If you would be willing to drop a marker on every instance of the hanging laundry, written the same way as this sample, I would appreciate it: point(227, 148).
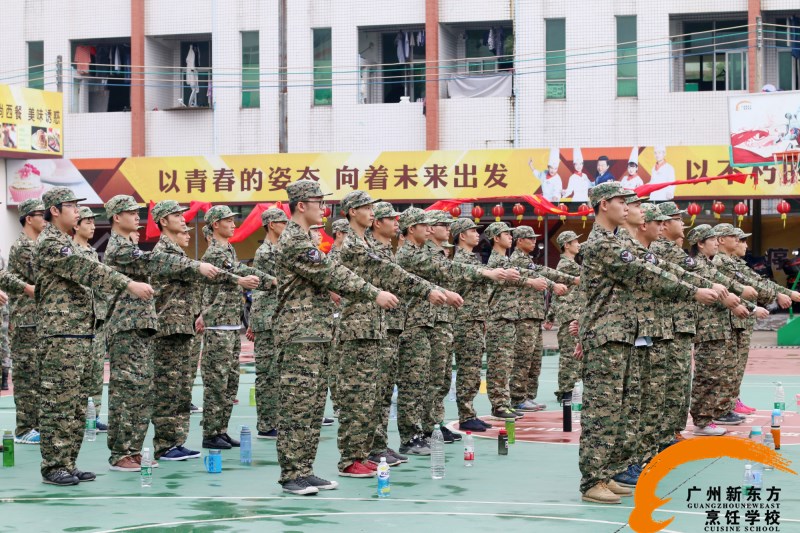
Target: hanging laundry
point(83, 58)
point(401, 47)
point(490, 41)
point(499, 41)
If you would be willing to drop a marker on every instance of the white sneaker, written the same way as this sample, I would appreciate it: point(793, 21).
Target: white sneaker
point(31, 437)
point(711, 430)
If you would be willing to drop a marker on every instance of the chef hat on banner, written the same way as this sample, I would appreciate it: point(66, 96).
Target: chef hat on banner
point(554, 158)
point(577, 156)
point(634, 158)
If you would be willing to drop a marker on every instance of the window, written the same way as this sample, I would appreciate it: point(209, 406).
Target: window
point(251, 96)
point(323, 75)
point(480, 58)
point(627, 68)
point(101, 75)
point(555, 59)
point(714, 55)
point(787, 67)
point(196, 88)
point(36, 64)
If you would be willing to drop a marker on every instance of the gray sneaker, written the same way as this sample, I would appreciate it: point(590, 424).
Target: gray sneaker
point(416, 446)
point(299, 486)
point(319, 483)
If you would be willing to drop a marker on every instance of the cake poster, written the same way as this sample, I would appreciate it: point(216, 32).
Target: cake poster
point(31, 178)
point(31, 123)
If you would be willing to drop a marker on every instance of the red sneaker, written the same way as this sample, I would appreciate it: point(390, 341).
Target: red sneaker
point(751, 409)
point(369, 464)
point(357, 470)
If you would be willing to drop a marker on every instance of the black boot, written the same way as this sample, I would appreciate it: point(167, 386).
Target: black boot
point(5, 380)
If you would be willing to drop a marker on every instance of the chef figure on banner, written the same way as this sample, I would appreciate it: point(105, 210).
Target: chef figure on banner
point(631, 179)
point(662, 172)
point(550, 180)
point(579, 183)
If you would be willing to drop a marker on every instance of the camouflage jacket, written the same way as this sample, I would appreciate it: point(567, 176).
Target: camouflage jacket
point(532, 304)
point(713, 323)
point(306, 277)
point(174, 297)
point(99, 300)
point(444, 313)
point(734, 269)
point(566, 308)
point(20, 264)
point(435, 268)
point(365, 320)
point(222, 300)
point(395, 318)
point(63, 306)
point(683, 312)
point(264, 302)
point(505, 298)
point(610, 276)
point(476, 296)
point(126, 312)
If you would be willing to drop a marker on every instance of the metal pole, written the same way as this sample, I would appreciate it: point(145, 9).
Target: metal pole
point(283, 119)
point(59, 74)
point(546, 239)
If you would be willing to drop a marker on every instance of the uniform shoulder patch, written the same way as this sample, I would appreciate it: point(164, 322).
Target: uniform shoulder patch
point(313, 255)
point(739, 275)
point(227, 264)
point(651, 258)
point(66, 251)
point(626, 256)
point(136, 253)
point(534, 266)
point(373, 256)
point(689, 262)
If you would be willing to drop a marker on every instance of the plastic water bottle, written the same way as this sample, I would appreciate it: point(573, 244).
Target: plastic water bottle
point(245, 446)
point(757, 436)
point(384, 487)
point(393, 408)
point(469, 449)
point(577, 402)
point(780, 397)
point(748, 481)
point(437, 453)
point(147, 468)
point(91, 422)
point(770, 443)
point(451, 396)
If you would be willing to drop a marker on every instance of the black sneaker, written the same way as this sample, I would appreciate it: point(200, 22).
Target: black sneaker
point(728, 420)
point(321, 484)
point(83, 476)
point(216, 443)
point(473, 424)
point(271, 434)
point(486, 424)
point(192, 454)
point(327, 421)
point(195, 410)
point(448, 435)
point(415, 446)
point(299, 486)
point(503, 413)
point(400, 457)
point(391, 460)
point(101, 428)
point(61, 478)
point(227, 438)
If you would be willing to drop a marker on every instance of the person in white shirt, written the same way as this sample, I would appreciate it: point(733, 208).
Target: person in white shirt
point(579, 183)
point(631, 180)
point(662, 172)
point(550, 180)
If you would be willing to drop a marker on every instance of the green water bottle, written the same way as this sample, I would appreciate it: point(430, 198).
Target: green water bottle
point(8, 448)
point(511, 426)
point(252, 396)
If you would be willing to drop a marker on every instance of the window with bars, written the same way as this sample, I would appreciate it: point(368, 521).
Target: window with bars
point(323, 74)
point(36, 64)
point(627, 68)
point(251, 95)
point(555, 59)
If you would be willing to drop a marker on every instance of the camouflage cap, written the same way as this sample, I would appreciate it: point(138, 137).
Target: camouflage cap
point(384, 210)
point(461, 225)
point(700, 233)
point(442, 217)
point(495, 229)
point(119, 204)
point(218, 212)
point(741, 234)
point(207, 231)
point(59, 195)
point(670, 209)
point(566, 237)
point(607, 191)
point(30, 206)
point(303, 190)
point(341, 225)
point(85, 212)
point(725, 230)
point(635, 198)
point(273, 214)
point(524, 232)
point(356, 199)
point(316, 226)
point(413, 216)
point(653, 214)
point(167, 207)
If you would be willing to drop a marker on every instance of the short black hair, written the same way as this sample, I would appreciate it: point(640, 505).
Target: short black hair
point(404, 232)
point(22, 220)
point(158, 223)
point(603, 158)
point(292, 206)
point(456, 239)
point(48, 215)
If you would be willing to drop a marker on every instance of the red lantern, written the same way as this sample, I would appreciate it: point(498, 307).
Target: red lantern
point(477, 213)
point(718, 208)
point(540, 213)
point(741, 210)
point(584, 211)
point(518, 210)
point(455, 211)
point(693, 209)
point(783, 208)
point(326, 214)
point(498, 212)
point(564, 208)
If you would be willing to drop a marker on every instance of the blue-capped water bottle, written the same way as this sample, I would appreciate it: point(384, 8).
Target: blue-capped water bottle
point(384, 487)
point(245, 446)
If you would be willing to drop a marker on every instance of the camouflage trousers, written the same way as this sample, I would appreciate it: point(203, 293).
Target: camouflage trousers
point(194, 361)
point(267, 381)
point(302, 367)
point(130, 388)
point(654, 373)
point(709, 364)
point(729, 381)
point(742, 339)
point(569, 368)
point(5, 348)
point(678, 389)
point(469, 350)
point(65, 378)
point(501, 340)
point(27, 373)
point(440, 375)
point(172, 398)
point(412, 379)
point(333, 366)
point(387, 377)
point(605, 378)
point(527, 361)
point(220, 369)
point(632, 408)
point(99, 351)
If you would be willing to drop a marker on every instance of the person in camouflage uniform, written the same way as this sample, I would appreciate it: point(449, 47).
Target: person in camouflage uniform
point(65, 323)
point(362, 329)
point(563, 310)
point(23, 321)
point(222, 316)
point(303, 331)
point(606, 338)
point(84, 231)
point(524, 381)
point(274, 221)
point(340, 229)
point(130, 326)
